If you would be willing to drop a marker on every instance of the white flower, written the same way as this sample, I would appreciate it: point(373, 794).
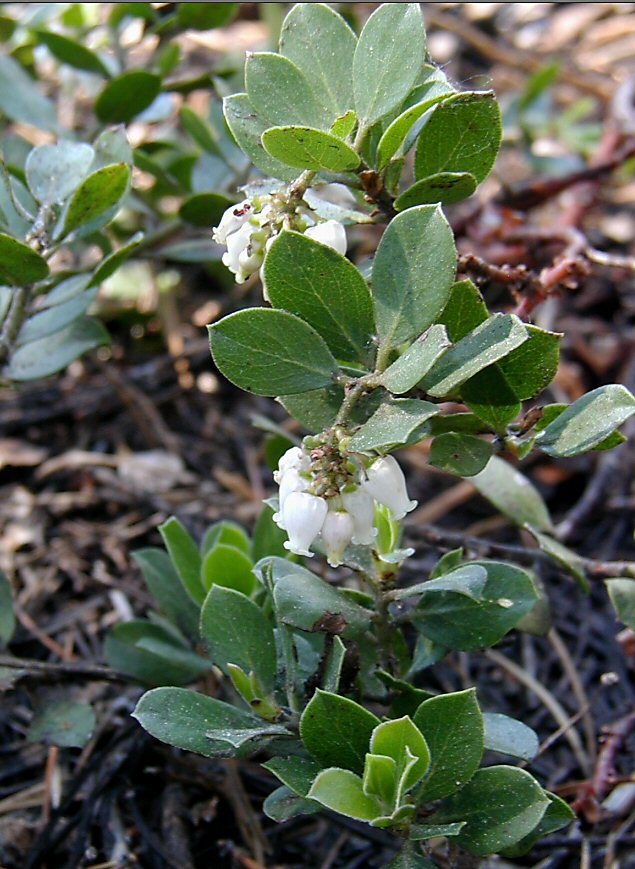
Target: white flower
point(291, 482)
point(232, 220)
point(361, 507)
point(337, 533)
point(293, 458)
point(386, 483)
point(331, 233)
point(303, 516)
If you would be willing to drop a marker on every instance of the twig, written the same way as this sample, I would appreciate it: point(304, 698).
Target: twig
point(45, 670)
point(486, 548)
point(592, 792)
point(569, 668)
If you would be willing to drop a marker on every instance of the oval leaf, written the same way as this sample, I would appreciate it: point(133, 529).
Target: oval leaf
point(247, 128)
point(96, 194)
point(271, 352)
point(281, 94)
point(126, 96)
point(54, 171)
point(308, 148)
point(337, 731)
point(444, 187)
point(20, 265)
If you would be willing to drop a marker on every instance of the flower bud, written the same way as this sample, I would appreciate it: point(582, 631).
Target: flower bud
point(361, 507)
point(386, 483)
point(232, 220)
point(303, 516)
point(331, 233)
point(337, 533)
point(293, 458)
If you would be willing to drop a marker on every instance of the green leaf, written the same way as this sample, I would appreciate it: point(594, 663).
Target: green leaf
point(380, 780)
point(21, 100)
point(111, 263)
point(406, 371)
point(296, 772)
point(383, 73)
point(409, 859)
point(72, 53)
point(622, 594)
point(314, 410)
point(7, 617)
point(204, 209)
point(337, 731)
point(587, 422)
point(413, 272)
point(342, 791)
point(562, 555)
point(282, 805)
point(396, 132)
point(333, 666)
point(325, 289)
point(488, 343)
point(444, 187)
point(281, 94)
point(126, 96)
point(228, 567)
point(199, 129)
point(165, 586)
point(309, 148)
point(194, 722)
point(237, 632)
point(508, 736)
point(99, 192)
point(54, 171)
point(227, 532)
point(490, 397)
point(461, 454)
point(185, 557)
point(431, 831)
point(458, 615)
point(205, 16)
point(271, 352)
point(20, 264)
point(47, 355)
point(393, 423)
point(513, 494)
point(321, 45)
point(54, 319)
point(344, 125)
point(448, 562)
point(500, 805)
point(464, 311)
point(247, 127)
point(302, 598)
point(531, 367)
point(463, 134)
point(557, 816)
point(400, 739)
point(452, 725)
point(268, 539)
point(153, 654)
point(66, 724)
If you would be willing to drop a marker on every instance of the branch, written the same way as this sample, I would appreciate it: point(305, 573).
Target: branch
point(32, 669)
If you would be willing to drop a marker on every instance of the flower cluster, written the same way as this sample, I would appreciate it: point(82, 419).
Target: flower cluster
point(330, 499)
point(249, 228)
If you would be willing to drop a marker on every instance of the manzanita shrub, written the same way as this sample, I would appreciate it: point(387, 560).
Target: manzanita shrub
point(323, 675)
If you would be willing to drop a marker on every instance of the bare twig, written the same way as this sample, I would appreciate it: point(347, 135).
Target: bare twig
point(49, 671)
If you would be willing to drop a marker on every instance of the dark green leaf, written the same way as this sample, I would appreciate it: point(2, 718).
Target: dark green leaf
point(557, 816)
point(453, 727)
point(490, 397)
point(7, 618)
point(500, 805)
point(54, 171)
point(508, 736)
point(322, 287)
point(66, 724)
point(314, 410)
point(463, 134)
point(297, 773)
point(461, 454)
point(321, 45)
point(99, 192)
point(126, 96)
point(199, 129)
point(337, 731)
point(282, 805)
point(48, 355)
point(309, 148)
point(73, 53)
point(268, 538)
point(204, 209)
point(205, 16)
point(396, 132)
point(465, 310)
point(227, 532)
point(111, 263)
point(185, 557)
point(413, 271)
point(165, 586)
point(152, 654)
point(531, 367)
point(271, 352)
point(383, 72)
point(393, 423)
point(20, 264)
point(444, 187)
point(237, 632)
